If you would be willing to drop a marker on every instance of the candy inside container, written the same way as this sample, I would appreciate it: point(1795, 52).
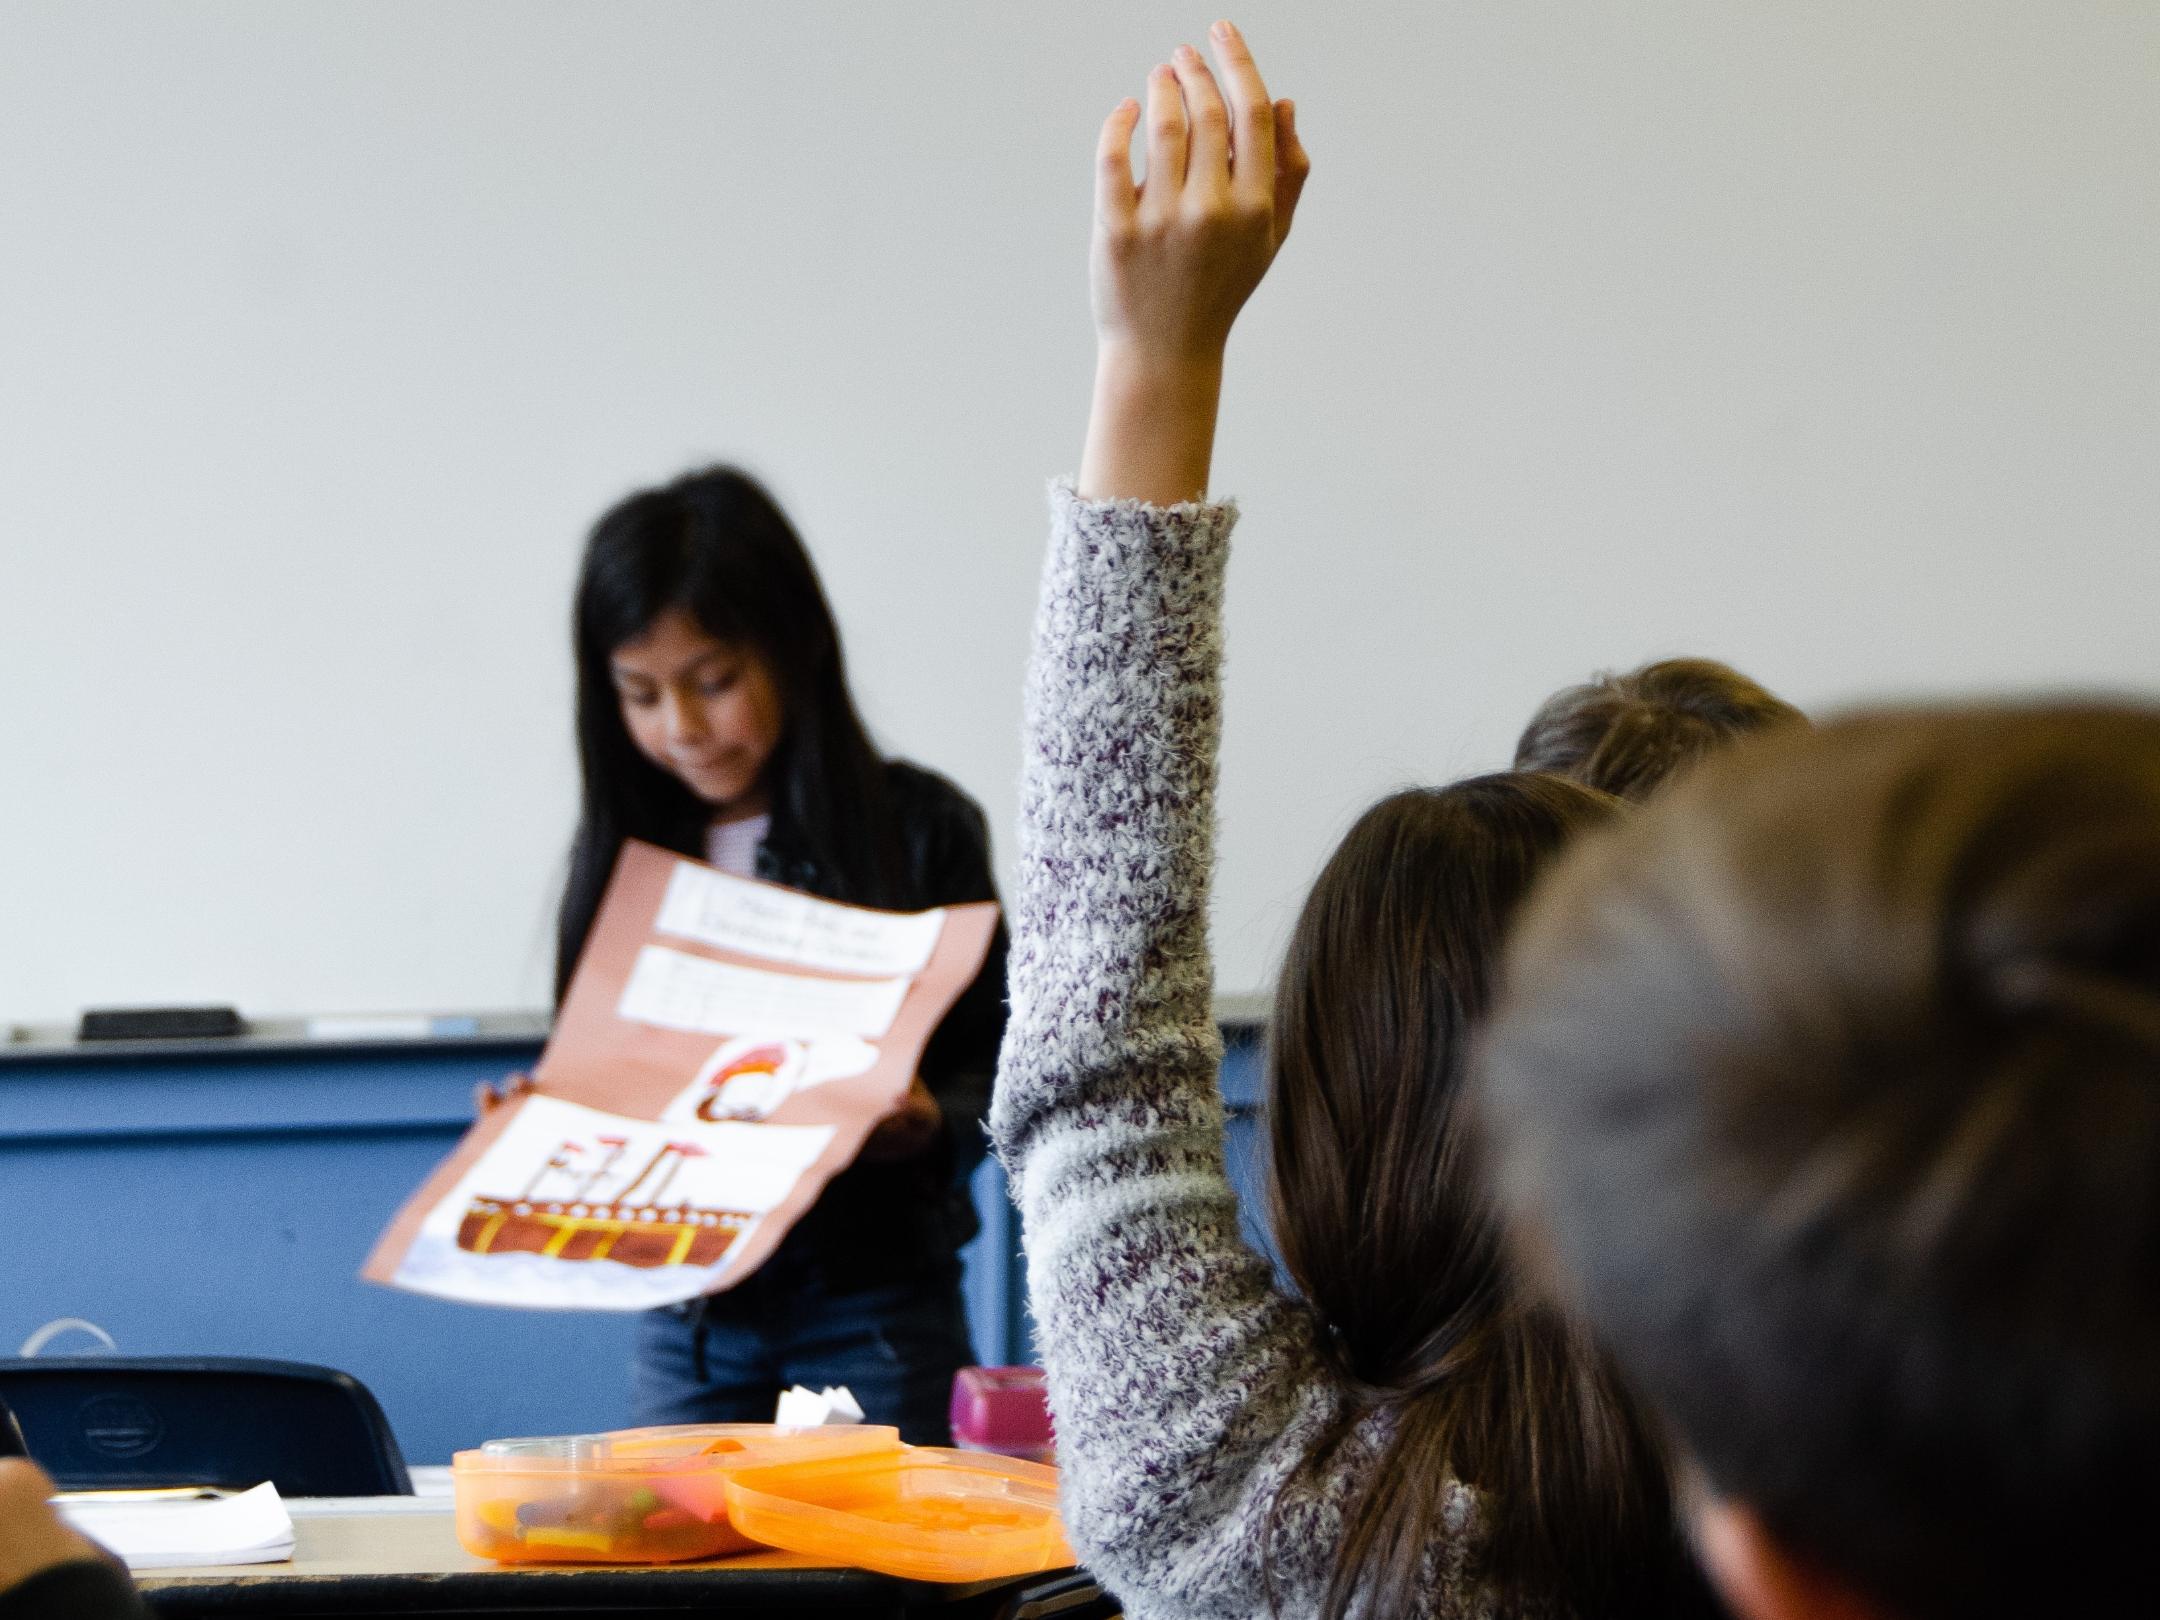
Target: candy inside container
point(635, 1496)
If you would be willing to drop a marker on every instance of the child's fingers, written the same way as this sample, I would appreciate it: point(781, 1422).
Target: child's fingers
point(1252, 125)
point(1291, 166)
point(1166, 134)
point(1207, 155)
point(487, 1098)
point(1115, 192)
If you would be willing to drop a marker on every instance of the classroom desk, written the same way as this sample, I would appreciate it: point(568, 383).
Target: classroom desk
point(357, 1564)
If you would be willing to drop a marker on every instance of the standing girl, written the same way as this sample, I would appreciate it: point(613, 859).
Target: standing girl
point(1407, 1433)
point(714, 719)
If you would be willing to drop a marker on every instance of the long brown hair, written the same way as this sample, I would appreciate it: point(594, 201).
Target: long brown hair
point(1386, 1226)
point(1628, 733)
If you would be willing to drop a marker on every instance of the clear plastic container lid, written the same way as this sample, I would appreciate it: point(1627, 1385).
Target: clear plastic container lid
point(919, 1512)
point(630, 1496)
point(693, 1444)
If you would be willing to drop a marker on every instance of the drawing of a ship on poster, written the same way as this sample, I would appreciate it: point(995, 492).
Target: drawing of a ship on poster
point(725, 1049)
point(574, 1206)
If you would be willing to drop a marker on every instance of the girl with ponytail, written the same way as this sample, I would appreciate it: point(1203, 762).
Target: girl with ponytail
point(1407, 1432)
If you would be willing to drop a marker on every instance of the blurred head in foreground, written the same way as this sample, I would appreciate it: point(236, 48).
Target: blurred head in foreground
point(1828, 1089)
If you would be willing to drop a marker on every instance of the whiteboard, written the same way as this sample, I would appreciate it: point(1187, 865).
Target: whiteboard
point(1821, 338)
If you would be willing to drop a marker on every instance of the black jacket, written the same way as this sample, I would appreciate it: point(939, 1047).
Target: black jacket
point(879, 1223)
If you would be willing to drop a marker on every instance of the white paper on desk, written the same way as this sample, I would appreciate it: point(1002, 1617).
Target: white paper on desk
point(802, 1408)
point(251, 1528)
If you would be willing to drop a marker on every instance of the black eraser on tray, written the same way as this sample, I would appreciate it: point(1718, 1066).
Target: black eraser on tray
point(159, 1023)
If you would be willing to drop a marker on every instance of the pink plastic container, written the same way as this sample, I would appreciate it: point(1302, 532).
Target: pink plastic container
point(1005, 1410)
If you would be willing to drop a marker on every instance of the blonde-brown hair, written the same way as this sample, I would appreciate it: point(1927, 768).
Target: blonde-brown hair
point(1626, 734)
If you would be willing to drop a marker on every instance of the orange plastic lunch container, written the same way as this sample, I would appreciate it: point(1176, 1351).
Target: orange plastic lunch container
point(634, 1496)
point(918, 1512)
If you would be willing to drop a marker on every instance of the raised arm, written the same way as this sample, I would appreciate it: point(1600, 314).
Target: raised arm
point(1173, 261)
point(1186, 1389)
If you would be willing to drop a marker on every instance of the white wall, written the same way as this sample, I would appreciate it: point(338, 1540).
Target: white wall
point(1824, 338)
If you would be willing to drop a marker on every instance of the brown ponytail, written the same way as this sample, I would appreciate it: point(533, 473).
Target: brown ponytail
point(1387, 1228)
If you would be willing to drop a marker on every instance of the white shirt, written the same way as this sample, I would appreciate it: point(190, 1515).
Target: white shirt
point(733, 845)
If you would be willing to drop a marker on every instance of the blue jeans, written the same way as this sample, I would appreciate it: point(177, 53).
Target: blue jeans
point(725, 1359)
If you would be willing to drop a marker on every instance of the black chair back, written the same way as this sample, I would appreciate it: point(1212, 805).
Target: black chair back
point(101, 1422)
point(1073, 1595)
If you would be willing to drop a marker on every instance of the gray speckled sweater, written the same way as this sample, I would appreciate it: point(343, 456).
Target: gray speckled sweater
point(1185, 1386)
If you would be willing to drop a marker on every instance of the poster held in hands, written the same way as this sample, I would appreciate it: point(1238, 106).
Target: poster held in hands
point(726, 1048)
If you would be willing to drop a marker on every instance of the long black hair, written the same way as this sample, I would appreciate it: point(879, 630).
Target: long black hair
point(716, 546)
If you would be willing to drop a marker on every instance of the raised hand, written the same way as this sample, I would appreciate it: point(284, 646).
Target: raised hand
point(1175, 258)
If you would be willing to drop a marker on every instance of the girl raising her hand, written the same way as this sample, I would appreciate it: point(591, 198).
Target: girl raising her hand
point(1406, 1434)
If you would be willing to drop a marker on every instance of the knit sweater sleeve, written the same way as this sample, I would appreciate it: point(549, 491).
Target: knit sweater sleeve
point(1184, 1385)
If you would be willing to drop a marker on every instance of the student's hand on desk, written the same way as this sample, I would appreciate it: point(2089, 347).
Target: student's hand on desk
point(908, 1130)
point(1173, 261)
point(33, 1537)
point(486, 1098)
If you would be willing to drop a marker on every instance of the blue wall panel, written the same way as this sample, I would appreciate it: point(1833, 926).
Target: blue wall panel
point(222, 1205)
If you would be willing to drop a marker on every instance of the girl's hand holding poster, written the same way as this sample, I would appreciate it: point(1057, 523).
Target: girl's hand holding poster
point(726, 1048)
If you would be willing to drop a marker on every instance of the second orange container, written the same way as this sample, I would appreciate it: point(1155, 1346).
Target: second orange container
point(918, 1512)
